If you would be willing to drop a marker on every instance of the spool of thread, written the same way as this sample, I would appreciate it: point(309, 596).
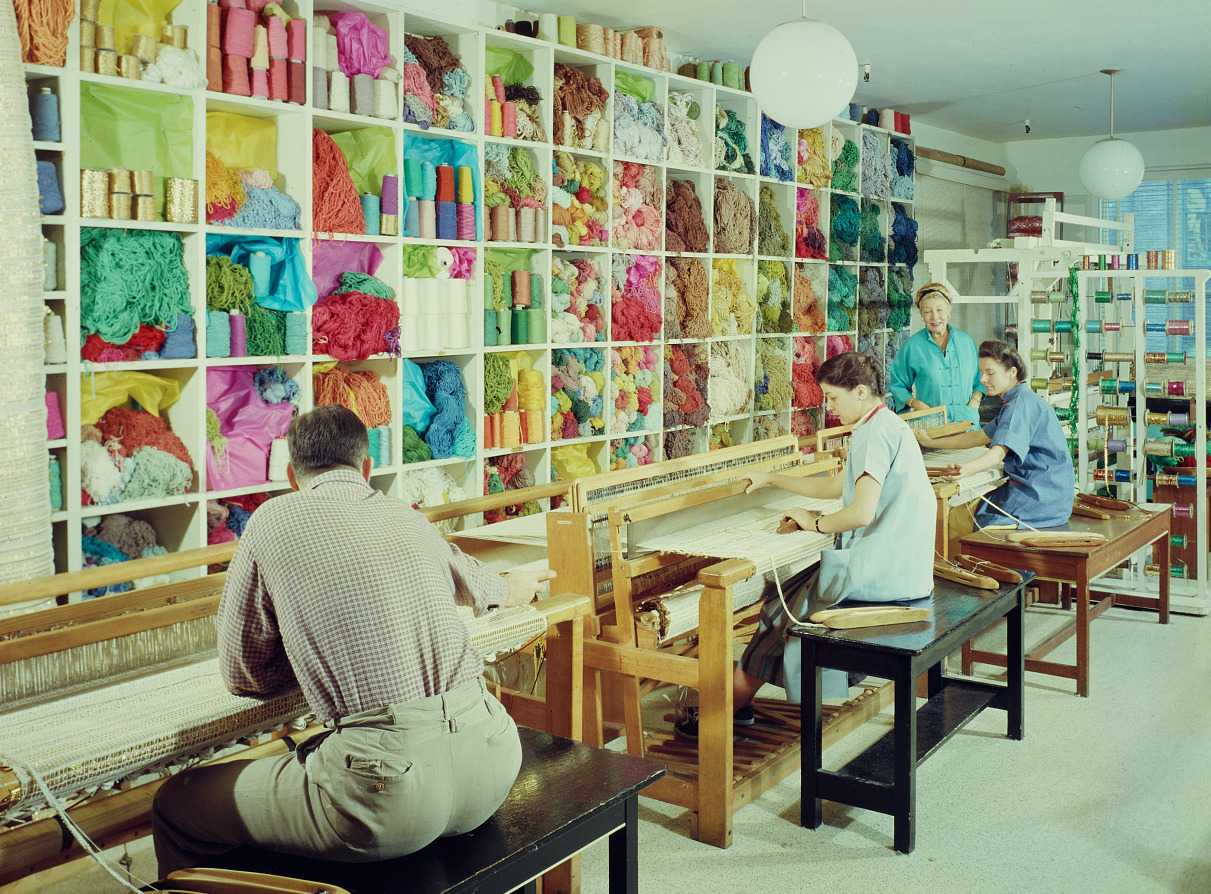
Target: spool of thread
point(428, 181)
point(1115, 262)
point(504, 327)
point(296, 333)
point(214, 27)
point(444, 188)
point(44, 112)
point(567, 31)
point(1117, 357)
point(498, 223)
point(1038, 383)
point(412, 177)
point(296, 40)
point(412, 218)
point(120, 206)
point(94, 193)
point(239, 32)
point(447, 220)
point(331, 52)
point(319, 47)
point(259, 83)
point(1168, 259)
point(259, 267)
point(279, 456)
point(1112, 476)
point(88, 59)
point(1183, 510)
point(107, 62)
point(498, 89)
point(386, 99)
point(521, 288)
point(490, 333)
point(1133, 262)
point(175, 36)
point(338, 92)
point(319, 88)
point(1093, 326)
point(496, 119)
point(181, 204)
point(1154, 258)
point(141, 183)
point(465, 222)
point(235, 76)
point(731, 75)
point(717, 73)
point(426, 213)
point(144, 208)
point(510, 429)
point(1108, 326)
point(218, 334)
point(372, 449)
point(54, 342)
point(538, 325)
point(703, 71)
point(55, 482)
point(526, 224)
point(389, 197)
point(362, 95)
point(1109, 416)
point(88, 34)
point(371, 212)
point(276, 33)
point(466, 185)
point(178, 342)
point(1038, 354)
point(119, 180)
point(50, 266)
point(238, 342)
point(105, 37)
point(1177, 540)
point(1175, 479)
point(520, 327)
point(508, 118)
point(548, 27)
point(1039, 326)
point(279, 89)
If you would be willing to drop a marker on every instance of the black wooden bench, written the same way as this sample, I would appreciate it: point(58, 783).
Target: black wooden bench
point(567, 796)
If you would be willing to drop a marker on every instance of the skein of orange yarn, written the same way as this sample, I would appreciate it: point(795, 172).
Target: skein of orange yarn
point(42, 25)
point(335, 206)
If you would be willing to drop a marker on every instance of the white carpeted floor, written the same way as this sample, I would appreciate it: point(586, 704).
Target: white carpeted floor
point(1111, 793)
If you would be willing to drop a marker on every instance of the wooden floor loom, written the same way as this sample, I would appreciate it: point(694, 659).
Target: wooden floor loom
point(97, 695)
point(657, 630)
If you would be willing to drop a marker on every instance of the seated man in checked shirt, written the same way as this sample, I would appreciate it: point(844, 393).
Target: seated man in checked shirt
point(350, 595)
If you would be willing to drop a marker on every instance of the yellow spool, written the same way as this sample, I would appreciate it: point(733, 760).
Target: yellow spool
point(466, 186)
point(567, 31)
point(181, 205)
point(531, 393)
point(510, 429)
point(1112, 416)
point(498, 121)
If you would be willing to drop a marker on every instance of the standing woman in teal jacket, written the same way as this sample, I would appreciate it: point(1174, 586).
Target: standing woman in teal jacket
point(937, 366)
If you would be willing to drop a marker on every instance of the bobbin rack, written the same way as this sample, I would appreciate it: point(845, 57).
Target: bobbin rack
point(1092, 318)
point(463, 333)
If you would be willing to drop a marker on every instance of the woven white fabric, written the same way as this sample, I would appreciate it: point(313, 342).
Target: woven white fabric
point(971, 486)
point(26, 549)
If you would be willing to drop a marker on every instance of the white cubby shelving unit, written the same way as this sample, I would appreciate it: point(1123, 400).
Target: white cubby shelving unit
point(180, 521)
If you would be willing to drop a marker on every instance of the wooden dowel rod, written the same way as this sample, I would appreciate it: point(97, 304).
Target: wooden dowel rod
point(104, 575)
point(495, 501)
point(961, 161)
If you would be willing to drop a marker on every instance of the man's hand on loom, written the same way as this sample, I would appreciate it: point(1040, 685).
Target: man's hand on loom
point(758, 480)
point(798, 520)
point(525, 585)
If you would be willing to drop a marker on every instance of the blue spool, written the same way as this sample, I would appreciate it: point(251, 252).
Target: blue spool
point(370, 211)
point(44, 111)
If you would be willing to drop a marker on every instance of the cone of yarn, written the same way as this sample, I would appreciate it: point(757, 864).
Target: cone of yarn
point(214, 69)
point(296, 40)
point(237, 336)
point(386, 99)
point(338, 92)
point(278, 47)
point(278, 89)
point(508, 117)
point(218, 334)
point(260, 48)
point(214, 26)
point(319, 88)
point(239, 32)
point(389, 197)
point(54, 417)
point(361, 95)
point(296, 82)
point(235, 76)
point(260, 83)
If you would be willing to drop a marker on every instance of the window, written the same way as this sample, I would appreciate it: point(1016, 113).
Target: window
point(1169, 214)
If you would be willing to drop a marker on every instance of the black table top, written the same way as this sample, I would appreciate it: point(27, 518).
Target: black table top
point(562, 784)
point(953, 604)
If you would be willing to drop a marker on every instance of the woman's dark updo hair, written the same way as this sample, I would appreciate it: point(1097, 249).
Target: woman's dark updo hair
point(849, 370)
point(1005, 355)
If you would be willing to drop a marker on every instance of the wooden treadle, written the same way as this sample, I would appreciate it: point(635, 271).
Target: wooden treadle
point(776, 729)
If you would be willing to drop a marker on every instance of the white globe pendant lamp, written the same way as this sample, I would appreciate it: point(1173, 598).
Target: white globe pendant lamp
point(1111, 168)
point(803, 73)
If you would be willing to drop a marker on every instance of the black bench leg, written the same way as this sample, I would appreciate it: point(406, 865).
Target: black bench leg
point(1015, 672)
point(811, 725)
point(624, 851)
point(905, 761)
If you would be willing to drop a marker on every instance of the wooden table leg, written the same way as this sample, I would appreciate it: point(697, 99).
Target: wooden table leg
point(1163, 556)
point(967, 662)
point(1015, 669)
point(1081, 585)
point(904, 762)
point(811, 723)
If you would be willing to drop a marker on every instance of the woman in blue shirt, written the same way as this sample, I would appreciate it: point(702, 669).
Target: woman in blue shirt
point(938, 363)
point(1027, 438)
point(884, 531)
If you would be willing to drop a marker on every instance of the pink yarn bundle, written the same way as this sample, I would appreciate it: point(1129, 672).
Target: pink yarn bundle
point(636, 312)
point(809, 240)
point(353, 325)
point(803, 374)
point(802, 427)
point(638, 198)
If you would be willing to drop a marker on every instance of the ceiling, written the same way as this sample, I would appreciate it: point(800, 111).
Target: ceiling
point(973, 66)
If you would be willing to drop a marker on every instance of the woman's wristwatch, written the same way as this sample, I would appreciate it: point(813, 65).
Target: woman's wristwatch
point(818, 531)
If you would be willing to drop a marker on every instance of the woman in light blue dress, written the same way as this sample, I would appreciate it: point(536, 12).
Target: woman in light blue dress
point(938, 366)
